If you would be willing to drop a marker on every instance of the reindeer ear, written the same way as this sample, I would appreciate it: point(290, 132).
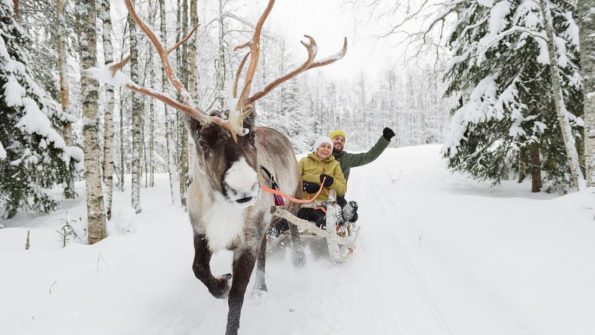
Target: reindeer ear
point(193, 125)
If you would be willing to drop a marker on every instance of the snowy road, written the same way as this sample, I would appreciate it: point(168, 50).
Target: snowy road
point(437, 255)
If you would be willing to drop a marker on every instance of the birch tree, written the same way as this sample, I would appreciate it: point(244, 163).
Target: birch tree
point(108, 143)
point(96, 217)
point(69, 191)
point(182, 132)
point(168, 121)
point(137, 110)
point(586, 12)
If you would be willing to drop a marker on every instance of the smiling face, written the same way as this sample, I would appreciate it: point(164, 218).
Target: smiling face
point(324, 150)
point(338, 143)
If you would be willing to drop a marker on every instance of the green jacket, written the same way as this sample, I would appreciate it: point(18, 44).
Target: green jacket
point(312, 166)
point(349, 160)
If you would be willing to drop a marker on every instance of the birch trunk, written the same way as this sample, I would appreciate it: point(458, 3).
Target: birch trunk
point(192, 53)
point(122, 139)
point(89, 87)
point(221, 73)
point(183, 133)
point(69, 192)
point(569, 142)
point(145, 167)
point(137, 107)
point(168, 122)
point(108, 160)
point(151, 171)
point(122, 97)
point(586, 9)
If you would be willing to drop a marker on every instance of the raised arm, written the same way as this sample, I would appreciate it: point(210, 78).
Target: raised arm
point(371, 155)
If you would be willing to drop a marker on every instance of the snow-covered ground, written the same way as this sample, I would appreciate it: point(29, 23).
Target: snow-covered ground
point(437, 254)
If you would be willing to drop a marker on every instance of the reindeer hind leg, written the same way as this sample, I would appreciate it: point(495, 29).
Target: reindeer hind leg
point(260, 285)
point(297, 255)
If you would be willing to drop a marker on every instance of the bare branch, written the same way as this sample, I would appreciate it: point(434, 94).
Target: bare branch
point(183, 40)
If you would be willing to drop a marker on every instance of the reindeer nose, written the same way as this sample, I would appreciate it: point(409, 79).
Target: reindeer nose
point(243, 200)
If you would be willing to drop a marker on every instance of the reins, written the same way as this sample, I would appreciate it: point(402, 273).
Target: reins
point(286, 196)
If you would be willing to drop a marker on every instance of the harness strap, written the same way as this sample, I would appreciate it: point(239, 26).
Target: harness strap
point(278, 194)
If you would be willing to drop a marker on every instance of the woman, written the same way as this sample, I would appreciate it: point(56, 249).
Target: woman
point(320, 168)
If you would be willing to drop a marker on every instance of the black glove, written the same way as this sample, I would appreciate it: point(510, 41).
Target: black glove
point(310, 187)
point(328, 181)
point(388, 133)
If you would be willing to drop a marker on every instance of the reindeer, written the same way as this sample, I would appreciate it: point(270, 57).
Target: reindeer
point(226, 206)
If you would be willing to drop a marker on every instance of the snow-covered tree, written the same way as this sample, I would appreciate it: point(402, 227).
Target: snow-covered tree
point(500, 77)
point(33, 154)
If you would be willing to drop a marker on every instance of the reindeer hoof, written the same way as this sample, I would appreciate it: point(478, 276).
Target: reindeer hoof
point(221, 287)
point(259, 292)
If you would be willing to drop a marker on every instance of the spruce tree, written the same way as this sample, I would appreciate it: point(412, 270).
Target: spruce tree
point(500, 77)
point(34, 157)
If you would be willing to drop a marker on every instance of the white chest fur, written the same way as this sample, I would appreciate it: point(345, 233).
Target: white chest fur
point(224, 224)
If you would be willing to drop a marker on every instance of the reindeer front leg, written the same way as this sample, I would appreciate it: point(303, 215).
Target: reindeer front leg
point(219, 287)
point(242, 269)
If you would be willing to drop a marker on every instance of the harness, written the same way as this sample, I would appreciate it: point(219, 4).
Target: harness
point(278, 195)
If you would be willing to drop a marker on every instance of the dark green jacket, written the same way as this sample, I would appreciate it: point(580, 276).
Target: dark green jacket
point(349, 160)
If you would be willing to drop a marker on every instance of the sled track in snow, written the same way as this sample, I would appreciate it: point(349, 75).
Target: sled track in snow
point(423, 291)
point(419, 286)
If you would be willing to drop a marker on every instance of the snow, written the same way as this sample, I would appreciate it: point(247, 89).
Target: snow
point(543, 57)
point(7, 3)
point(3, 51)
point(13, 92)
point(77, 154)
point(561, 52)
point(572, 32)
point(34, 121)
point(482, 106)
point(2, 151)
point(498, 17)
point(104, 75)
point(437, 254)
point(486, 3)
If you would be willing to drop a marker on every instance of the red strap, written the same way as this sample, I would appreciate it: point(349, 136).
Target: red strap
point(289, 197)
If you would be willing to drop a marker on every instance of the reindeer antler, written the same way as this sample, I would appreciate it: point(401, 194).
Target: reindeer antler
point(244, 105)
point(187, 105)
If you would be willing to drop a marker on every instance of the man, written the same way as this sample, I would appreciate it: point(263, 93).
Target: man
point(350, 160)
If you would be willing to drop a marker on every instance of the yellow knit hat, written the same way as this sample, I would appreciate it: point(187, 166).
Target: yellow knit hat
point(336, 132)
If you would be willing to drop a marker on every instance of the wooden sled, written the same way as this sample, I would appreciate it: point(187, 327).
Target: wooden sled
point(340, 246)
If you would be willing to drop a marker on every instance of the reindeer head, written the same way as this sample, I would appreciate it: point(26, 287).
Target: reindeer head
point(225, 144)
point(229, 166)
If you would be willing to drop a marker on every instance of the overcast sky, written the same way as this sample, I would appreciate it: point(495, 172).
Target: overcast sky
point(328, 21)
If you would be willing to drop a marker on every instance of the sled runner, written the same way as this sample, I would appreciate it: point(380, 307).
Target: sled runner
point(340, 240)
